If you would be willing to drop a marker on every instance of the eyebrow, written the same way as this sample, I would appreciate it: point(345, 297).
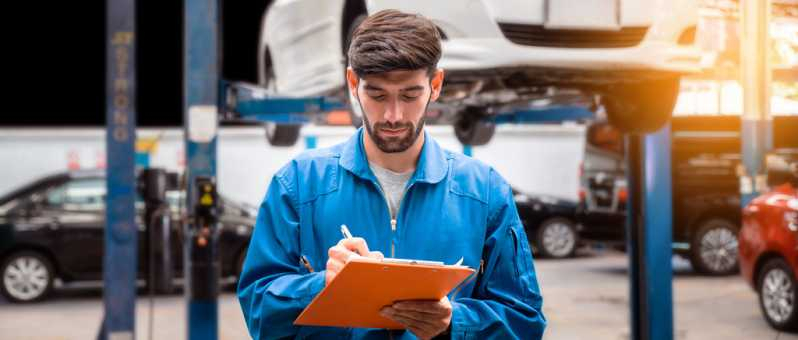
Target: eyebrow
point(368, 87)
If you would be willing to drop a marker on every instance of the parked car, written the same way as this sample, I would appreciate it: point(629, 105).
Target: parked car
point(53, 228)
point(768, 250)
point(557, 227)
point(705, 158)
point(496, 53)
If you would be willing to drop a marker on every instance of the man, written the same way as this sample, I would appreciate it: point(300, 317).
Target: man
point(403, 196)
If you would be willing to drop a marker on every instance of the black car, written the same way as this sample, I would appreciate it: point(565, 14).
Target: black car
point(53, 228)
point(557, 227)
point(705, 163)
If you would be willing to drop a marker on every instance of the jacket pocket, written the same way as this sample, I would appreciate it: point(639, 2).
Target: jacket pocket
point(522, 261)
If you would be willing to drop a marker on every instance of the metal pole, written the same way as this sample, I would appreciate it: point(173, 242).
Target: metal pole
point(756, 79)
point(650, 236)
point(121, 235)
point(201, 90)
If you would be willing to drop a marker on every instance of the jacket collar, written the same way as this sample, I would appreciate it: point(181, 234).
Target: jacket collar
point(431, 168)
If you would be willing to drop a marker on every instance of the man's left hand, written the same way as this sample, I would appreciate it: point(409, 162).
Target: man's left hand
point(426, 319)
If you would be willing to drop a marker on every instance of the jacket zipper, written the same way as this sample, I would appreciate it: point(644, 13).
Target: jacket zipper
point(394, 221)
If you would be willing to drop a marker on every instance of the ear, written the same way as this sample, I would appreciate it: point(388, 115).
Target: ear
point(437, 84)
point(351, 81)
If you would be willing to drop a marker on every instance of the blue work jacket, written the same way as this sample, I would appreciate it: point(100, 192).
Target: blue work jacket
point(453, 207)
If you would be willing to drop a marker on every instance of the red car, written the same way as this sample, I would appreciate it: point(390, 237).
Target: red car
point(769, 253)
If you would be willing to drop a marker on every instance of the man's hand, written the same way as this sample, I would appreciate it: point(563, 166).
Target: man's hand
point(340, 254)
point(426, 319)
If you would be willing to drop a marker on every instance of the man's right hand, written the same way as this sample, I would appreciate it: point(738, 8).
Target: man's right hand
point(342, 252)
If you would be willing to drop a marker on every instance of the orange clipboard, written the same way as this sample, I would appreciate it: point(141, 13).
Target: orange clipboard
point(356, 295)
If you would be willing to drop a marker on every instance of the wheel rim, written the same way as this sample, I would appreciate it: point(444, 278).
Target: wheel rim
point(719, 250)
point(777, 295)
point(558, 239)
point(26, 278)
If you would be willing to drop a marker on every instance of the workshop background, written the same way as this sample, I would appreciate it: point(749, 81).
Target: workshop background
point(733, 272)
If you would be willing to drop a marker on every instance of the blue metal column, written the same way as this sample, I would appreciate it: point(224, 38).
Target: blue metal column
point(121, 232)
point(756, 79)
point(201, 90)
point(649, 238)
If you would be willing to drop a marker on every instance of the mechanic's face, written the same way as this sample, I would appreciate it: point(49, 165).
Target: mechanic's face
point(394, 105)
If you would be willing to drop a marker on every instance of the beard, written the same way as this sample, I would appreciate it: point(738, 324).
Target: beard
point(394, 144)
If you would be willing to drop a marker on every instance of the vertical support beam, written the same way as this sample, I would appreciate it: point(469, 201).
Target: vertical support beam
point(756, 80)
point(201, 82)
point(121, 233)
point(649, 231)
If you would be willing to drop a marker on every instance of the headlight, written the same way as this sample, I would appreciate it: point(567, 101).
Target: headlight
point(243, 230)
point(791, 219)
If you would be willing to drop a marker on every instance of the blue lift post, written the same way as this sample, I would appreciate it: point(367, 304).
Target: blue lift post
point(756, 79)
point(201, 90)
point(649, 235)
point(121, 233)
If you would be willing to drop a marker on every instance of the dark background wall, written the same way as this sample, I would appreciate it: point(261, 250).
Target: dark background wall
point(53, 61)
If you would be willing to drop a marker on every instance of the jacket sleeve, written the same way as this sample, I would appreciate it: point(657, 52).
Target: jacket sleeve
point(274, 288)
point(506, 302)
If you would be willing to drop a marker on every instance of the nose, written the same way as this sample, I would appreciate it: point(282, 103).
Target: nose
point(393, 112)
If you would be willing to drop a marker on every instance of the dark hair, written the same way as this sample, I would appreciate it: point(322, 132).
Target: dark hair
point(390, 40)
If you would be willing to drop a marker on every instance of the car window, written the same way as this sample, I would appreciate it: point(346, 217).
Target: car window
point(78, 195)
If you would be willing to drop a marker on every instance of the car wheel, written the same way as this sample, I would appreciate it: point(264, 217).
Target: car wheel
point(282, 134)
point(472, 129)
point(641, 107)
point(557, 238)
point(714, 248)
point(776, 286)
point(27, 277)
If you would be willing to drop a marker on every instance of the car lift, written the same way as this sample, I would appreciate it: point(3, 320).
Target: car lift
point(649, 223)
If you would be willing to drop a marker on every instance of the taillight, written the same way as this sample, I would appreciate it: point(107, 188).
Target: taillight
point(623, 195)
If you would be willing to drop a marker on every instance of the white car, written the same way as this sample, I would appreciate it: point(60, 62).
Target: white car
point(624, 56)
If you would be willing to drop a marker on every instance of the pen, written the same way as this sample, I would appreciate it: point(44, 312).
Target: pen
point(345, 231)
point(347, 235)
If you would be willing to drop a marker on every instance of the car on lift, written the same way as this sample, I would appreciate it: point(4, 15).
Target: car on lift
point(53, 228)
point(499, 56)
point(768, 247)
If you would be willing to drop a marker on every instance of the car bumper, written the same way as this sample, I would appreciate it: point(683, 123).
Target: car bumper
point(469, 54)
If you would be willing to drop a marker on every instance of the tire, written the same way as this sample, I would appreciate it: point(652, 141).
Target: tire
point(474, 130)
point(713, 250)
point(355, 112)
point(776, 287)
point(27, 276)
point(282, 134)
point(643, 107)
point(556, 238)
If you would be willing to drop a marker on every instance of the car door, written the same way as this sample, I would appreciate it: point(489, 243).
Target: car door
point(75, 210)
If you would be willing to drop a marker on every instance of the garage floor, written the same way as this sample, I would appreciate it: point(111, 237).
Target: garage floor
point(585, 298)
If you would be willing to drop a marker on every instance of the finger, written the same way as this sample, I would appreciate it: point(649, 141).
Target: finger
point(340, 253)
point(356, 244)
point(335, 266)
point(423, 306)
point(377, 255)
point(417, 328)
point(421, 318)
point(416, 317)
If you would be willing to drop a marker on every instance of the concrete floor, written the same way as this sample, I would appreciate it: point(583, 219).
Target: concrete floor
point(584, 298)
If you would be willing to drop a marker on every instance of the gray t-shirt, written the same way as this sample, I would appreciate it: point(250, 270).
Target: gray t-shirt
point(392, 184)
